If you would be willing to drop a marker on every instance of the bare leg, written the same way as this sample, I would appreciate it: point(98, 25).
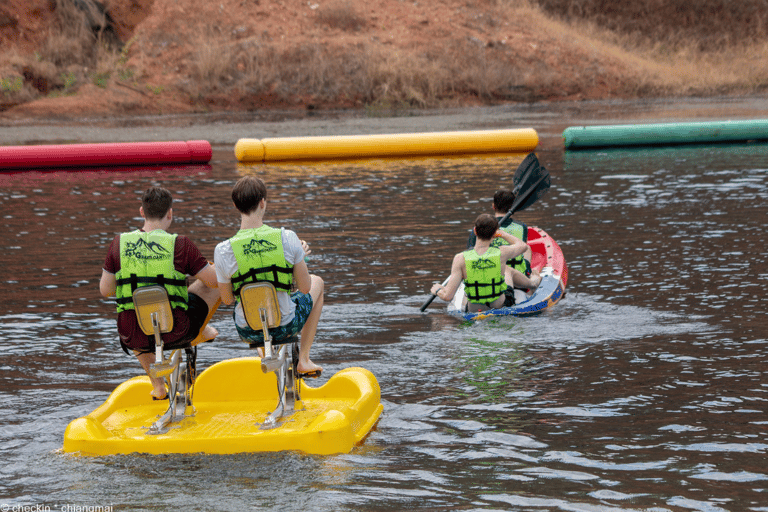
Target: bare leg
point(158, 384)
point(211, 297)
point(517, 279)
point(309, 330)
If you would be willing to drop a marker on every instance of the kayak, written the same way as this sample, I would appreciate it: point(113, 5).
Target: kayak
point(548, 259)
point(232, 399)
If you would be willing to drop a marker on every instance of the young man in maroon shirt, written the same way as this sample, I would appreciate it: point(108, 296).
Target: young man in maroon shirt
point(146, 245)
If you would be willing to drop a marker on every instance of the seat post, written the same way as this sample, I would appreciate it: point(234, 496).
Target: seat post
point(265, 330)
point(158, 338)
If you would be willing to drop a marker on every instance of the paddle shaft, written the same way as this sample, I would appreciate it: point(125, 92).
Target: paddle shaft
point(521, 199)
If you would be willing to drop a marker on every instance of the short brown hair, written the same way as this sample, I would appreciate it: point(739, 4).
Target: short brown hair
point(486, 226)
point(503, 200)
point(156, 201)
point(248, 193)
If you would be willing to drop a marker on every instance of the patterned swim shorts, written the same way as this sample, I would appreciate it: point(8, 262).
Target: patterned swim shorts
point(303, 303)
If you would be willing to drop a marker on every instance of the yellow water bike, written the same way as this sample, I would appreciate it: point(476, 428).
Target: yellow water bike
point(252, 404)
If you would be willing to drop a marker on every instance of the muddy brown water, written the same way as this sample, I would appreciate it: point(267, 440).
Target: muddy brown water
point(644, 389)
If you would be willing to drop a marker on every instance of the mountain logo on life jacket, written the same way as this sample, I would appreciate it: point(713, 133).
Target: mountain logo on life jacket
point(144, 250)
point(482, 264)
point(255, 247)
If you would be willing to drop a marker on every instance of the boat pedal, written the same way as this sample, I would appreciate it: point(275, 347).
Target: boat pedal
point(160, 370)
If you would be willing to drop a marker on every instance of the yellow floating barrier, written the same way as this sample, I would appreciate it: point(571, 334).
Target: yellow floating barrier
point(520, 140)
point(231, 400)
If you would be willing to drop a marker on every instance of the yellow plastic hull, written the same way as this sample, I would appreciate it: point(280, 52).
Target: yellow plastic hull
point(521, 140)
point(231, 400)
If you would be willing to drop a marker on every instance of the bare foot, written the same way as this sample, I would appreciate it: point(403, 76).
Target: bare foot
point(535, 279)
point(209, 333)
point(307, 367)
point(159, 393)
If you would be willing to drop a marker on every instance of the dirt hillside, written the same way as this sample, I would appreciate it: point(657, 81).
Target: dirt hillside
point(176, 56)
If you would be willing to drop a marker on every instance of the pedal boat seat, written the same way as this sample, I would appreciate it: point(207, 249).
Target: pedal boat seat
point(262, 310)
point(154, 314)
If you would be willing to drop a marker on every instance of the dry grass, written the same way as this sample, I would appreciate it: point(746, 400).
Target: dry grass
point(739, 69)
point(14, 89)
point(342, 15)
point(363, 73)
point(707, 25)
point(211, 63)
point(72, 54)
point(602, 51)
point(680, 62)
point(381, 76)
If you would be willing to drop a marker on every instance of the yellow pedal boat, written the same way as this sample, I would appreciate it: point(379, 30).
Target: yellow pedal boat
point(232, 400)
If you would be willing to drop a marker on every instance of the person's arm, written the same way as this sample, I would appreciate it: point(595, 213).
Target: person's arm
point(107, 284)
point(515, 248)
point(295, 252)
point(189, 260)
point(224, 265)
point(447, 292)
point(225, 290)
point(301, 277)
point(208, 276)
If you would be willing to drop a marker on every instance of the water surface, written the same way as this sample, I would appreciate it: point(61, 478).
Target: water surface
point(644, 389)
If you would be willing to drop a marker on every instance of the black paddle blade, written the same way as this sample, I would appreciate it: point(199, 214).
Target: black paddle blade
point(531, 182)
point(529, 165)
point(537, 190)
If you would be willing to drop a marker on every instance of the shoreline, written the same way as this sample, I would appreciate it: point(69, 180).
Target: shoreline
point(225, 128)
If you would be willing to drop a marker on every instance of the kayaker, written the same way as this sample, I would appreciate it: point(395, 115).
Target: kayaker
point(482, 268)
point(151, 255)
point(519, 272)
point(256, 245)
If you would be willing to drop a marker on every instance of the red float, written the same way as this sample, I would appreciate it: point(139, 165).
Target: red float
point(107, 154)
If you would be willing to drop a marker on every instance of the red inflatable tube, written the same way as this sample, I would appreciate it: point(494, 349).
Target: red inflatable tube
point(118, 153)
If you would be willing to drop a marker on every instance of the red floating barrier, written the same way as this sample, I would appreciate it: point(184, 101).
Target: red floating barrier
point(117, 153)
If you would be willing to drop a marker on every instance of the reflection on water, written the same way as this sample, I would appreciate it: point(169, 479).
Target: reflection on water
point(643, 390)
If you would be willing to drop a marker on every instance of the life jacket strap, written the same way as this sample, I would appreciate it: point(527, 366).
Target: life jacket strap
point(251, 276)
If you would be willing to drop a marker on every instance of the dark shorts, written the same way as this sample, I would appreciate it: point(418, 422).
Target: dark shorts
point(196, 313)
point(303, 303)
point(509, 301)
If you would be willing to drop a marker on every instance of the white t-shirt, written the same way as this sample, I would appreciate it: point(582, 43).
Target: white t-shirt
point(226, 266)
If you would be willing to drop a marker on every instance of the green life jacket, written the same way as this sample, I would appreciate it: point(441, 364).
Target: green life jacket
point(518, 231)
point(484, 282)
point(147, 259)
point(260, 257)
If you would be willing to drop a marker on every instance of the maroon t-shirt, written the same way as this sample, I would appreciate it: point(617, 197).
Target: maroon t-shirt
point(187, 259)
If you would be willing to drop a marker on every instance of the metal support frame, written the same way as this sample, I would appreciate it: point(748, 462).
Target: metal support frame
point(262, 311)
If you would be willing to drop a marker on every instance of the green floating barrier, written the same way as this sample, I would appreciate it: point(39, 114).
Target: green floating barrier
point(665, 133)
